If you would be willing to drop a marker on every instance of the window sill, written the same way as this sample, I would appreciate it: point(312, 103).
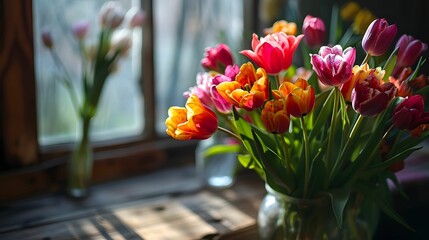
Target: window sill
point(170, 205)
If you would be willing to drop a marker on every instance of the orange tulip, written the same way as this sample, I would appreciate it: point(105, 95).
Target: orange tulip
point(282, 26)
point(195, 121)
point(275, 117)
point(249, 90)
point(300, 97)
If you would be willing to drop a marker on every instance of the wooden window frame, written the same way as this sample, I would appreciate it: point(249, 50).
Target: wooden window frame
point(26, 167)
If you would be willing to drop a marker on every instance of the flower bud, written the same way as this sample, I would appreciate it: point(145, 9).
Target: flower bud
point(217, 58)
point(135, 17)
point(121, 41)
point(409, 114)
point(80, 29)
point(410, 50)
point(275, 117)
point(111, 14)
point(378, 37)
point(314, 31)
point(47, 38)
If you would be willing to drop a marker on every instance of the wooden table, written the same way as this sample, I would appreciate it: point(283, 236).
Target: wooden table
point(165, 205)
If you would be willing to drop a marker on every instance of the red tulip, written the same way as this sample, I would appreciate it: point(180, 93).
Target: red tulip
point(195, 121)
point(378, 37)
point(371, 96)
point(273, 52)
point(409, 114)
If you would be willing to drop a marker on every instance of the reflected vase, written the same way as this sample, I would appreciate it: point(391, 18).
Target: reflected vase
point(216, 171)
point(79, 166)
point(284, 217)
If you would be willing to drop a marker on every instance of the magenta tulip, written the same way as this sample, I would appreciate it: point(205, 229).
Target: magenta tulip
point(314, 31)
point(371, 96)
point(333, 66)
point(409, 114)
point(217, 58)
point(410, 50)
point(273, 52)
point(378, 37)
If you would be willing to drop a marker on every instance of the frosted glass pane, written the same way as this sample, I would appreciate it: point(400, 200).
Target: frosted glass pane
point(183, 29)
point(120, 111)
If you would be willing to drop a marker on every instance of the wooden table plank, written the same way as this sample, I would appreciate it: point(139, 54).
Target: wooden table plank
point(198, 214)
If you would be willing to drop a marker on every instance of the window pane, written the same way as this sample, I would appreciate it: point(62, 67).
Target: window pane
point(182, 30)
point(120, 111)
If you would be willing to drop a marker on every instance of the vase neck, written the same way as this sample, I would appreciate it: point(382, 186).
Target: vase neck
point(317, 202)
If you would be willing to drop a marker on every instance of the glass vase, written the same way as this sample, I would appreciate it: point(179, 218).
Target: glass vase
point(216, 170)
point(284, 217)
point(79, 167)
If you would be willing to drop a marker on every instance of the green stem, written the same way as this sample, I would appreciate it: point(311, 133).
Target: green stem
point(366, 59)
point(307, 157)
point(332, 128)
point(67, 81)
point(352, 135)
point(368, 160)
point(229, 133)
point(286, 152)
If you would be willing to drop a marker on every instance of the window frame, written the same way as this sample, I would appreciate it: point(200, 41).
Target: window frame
point(33, 169)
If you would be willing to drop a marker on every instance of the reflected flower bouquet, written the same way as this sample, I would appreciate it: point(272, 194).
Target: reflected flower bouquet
point(333, 129)
point(99, 61)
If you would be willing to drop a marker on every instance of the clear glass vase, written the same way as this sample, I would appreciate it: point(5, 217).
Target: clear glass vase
point(216, 170)
point(284, 217)
point(79, 166)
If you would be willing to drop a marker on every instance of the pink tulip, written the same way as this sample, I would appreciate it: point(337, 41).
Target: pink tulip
point(135, 17)
point(273, 52)
point(217, 58)
point(371, 96)
point(409, 114)
point(80, 29)
point(202, 88)
point(314, 31)
point(410, 50)
point(378, 37)
point(333, 66)
point(111, 14)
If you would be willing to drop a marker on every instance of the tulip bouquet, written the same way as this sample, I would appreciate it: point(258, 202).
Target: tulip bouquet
point(98, 62)
point(334, 130)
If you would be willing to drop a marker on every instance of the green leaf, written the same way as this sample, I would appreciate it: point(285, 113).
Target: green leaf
point(390, 65)
point(398, 157)
point(244, 130)
point(221, 149)
point(423, 91)
point(323, 107)
point(248, 162)
point(379, 196)
point(278, 177)
point(416, 71)
point(339, 198)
